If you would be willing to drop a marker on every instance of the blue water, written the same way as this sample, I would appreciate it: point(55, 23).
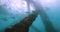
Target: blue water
point(9, 18)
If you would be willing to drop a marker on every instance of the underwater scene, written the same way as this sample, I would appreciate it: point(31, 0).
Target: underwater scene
point(29, 15)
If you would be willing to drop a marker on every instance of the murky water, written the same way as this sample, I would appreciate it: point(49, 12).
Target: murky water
point(12, 11)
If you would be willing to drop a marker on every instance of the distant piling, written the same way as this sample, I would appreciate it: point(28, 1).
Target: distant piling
point(45, 19)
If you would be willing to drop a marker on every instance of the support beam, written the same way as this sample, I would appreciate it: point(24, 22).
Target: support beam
point(45, 19)
point(23, 25)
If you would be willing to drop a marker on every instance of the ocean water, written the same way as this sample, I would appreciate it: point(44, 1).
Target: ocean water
point(11, 14)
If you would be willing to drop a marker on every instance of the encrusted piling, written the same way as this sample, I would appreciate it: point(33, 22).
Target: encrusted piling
point(23, 25)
